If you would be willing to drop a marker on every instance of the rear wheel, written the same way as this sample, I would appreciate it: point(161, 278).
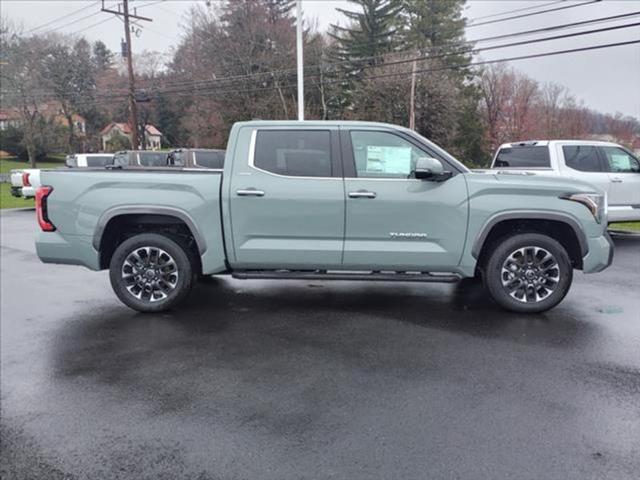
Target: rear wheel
point(151, 272)
point(528, 273)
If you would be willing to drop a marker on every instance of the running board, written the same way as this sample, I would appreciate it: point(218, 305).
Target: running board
point(337, 275)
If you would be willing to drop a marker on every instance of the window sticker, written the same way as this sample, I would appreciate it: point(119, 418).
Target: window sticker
point(620, 163)
point(389, 159)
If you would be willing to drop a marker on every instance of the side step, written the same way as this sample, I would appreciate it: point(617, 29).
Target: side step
point(345, 275)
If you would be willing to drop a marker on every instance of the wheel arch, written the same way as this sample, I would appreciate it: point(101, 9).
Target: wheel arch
point(110, 221)
point(562, 227)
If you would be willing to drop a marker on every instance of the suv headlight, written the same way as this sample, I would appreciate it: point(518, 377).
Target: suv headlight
point(595, 202)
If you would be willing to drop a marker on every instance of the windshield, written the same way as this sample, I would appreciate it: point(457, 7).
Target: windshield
point(152, 159)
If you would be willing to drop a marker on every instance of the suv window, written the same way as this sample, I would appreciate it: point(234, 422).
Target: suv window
point(582, 157)
point(621, 161)
point(99, 161)
point(209, 159)
point(298, 153)
point(383, 155)
point(525, 156)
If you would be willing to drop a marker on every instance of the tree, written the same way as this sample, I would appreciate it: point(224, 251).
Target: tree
point(24, 84)
point(369, 35)
point(102, 58)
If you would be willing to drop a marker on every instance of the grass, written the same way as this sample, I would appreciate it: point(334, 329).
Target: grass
point(627, 226)
point(8, 164)
point(9, 201)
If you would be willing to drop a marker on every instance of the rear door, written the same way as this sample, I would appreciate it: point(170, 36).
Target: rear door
point(584, 162)
point(394, 222)
point(287, 199)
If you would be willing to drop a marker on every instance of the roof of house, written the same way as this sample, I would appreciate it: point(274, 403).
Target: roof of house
point(126, 129)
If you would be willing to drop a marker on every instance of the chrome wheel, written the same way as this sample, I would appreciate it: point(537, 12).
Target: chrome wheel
point(150, 274)
point(530, 274)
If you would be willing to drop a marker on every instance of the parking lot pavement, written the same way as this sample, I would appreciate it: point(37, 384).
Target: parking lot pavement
point(289, 380)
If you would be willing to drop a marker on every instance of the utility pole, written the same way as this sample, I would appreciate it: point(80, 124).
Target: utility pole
point(299, 58)
point(133, 108)
point(412, 105)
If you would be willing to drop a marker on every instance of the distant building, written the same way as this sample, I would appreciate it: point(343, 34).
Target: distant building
point(152, 136)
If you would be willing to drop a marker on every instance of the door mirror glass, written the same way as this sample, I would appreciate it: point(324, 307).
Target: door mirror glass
point(428, 168)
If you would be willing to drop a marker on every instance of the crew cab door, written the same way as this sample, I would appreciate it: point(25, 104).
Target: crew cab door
point(394, 222)
point(584, 162)
point(287, 199)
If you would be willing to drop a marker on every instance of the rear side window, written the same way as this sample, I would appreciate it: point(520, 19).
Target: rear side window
point(209, 159)
point(99, 161)
point(583, 158)
point(298, 153)
point(523, 157)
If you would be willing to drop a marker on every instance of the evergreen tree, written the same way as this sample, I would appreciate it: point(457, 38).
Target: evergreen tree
point(102, 58)
point(435, 27)
point(369, 35)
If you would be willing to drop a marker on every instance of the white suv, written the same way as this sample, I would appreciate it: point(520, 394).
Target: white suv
point(608, 166)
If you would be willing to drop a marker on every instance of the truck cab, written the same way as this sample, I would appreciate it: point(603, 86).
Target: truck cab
point(608, 166)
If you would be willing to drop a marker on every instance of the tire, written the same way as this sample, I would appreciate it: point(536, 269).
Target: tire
point(151, 272)
point(521, 277)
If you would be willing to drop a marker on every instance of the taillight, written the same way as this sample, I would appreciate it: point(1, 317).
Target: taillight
point(41, 209)
point(25, 179)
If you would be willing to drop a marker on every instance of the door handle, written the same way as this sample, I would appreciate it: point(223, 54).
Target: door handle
point(362, 194)
point(250, 192)
point(616, 180)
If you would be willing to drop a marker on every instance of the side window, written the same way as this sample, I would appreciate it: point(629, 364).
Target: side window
point(523, 157)
point(121, 160)
point(582, 157)
point(297, 153)
point(209, 159)
point(620, 161)
point(383, 155)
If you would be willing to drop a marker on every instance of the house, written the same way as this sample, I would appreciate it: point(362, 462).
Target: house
point(152, 136)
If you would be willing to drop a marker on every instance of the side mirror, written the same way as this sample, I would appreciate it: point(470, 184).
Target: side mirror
point(429, 169)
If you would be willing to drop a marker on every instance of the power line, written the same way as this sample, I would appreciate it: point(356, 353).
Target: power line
point(420, 58)
point(533, 13)
point(517, 10)
point(55, 20)
point(92, 25)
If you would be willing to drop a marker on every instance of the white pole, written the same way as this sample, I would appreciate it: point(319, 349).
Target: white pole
point(299, 55)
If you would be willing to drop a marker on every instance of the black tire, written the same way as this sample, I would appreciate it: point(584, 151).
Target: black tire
point(166, 289)
point(519, 280)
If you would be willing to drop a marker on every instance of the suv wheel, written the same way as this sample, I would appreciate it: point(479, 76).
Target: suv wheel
point(151, 272)
point(528, 273)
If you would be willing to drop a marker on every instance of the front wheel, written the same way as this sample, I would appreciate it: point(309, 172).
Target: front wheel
point(151, 272)
point(528, 273)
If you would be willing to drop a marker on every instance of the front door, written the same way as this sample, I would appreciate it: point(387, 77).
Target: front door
point(394, 222)
point(287, 200)
point(624, 174)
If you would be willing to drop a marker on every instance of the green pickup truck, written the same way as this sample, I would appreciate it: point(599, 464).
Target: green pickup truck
point(324, 200)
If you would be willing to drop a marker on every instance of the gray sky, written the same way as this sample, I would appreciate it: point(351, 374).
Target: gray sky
point(607, 80)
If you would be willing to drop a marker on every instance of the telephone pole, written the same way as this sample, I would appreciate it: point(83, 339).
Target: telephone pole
point(412, 105)
point(133, 108)
point(299, 47)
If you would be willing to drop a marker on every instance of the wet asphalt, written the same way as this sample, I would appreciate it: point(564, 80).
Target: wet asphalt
point(311, 380)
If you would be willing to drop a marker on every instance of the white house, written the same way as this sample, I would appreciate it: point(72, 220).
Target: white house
point(152, 136)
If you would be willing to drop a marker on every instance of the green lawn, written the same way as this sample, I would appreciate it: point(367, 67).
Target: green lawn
point(628, 226)
point(8, 201)
point(8, 164)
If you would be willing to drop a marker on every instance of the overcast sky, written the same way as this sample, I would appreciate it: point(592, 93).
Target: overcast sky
point(607, 80)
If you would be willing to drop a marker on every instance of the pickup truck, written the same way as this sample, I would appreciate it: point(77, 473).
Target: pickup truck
point(332, 200)
point(608, 166)
point(24, 182)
